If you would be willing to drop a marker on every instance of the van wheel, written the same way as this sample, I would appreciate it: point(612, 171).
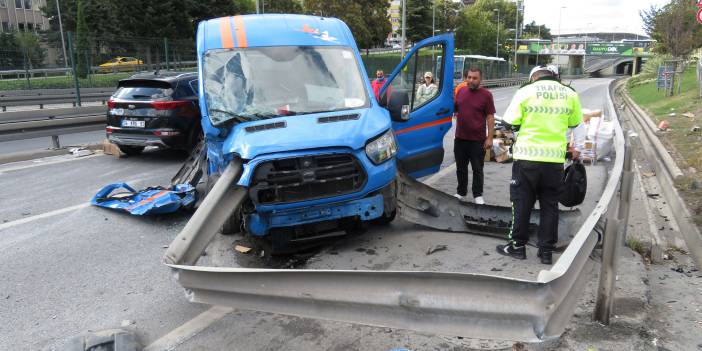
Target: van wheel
point(385, 218)
point(131, 150)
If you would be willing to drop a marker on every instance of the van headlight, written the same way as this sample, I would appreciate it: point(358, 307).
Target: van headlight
point(382, 148)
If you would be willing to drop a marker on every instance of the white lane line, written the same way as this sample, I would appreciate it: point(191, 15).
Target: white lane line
point(442, 173)
point(43, 215)
point(189, 329)
point(46, 163)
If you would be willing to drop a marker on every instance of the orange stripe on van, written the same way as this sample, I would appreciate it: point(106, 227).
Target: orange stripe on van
point(240, 32)
point(424, 125)
point(225, 29)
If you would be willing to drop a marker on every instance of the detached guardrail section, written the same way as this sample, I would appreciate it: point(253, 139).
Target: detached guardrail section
point(470, 305)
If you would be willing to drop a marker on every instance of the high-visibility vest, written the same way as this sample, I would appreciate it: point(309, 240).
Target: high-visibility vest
point(543, 110)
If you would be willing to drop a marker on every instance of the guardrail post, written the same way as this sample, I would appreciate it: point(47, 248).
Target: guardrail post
point(55, 142)
point(615, 231)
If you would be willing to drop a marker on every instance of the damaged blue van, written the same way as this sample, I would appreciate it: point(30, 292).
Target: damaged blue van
point(289, 97)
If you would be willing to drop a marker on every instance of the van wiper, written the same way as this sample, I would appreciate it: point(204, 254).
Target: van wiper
point(239, 118)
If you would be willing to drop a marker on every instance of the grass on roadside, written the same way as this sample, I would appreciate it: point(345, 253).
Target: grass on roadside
point(686, 144)
point(63, 82)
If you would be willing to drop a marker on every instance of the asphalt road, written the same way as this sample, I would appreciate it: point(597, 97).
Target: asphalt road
point(68, 268)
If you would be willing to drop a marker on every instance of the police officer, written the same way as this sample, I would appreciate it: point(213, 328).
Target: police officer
point(543, 110)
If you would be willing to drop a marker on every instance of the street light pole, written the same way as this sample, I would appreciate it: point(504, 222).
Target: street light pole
point(497, 41)
point(433, 16)
point(404, 15)
point(560, 13)
point(63, 42)
point(516, 30)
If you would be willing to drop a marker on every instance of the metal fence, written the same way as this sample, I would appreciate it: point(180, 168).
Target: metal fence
point(96, 62)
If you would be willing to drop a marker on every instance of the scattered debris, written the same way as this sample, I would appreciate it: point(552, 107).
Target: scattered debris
point(152, 200)
point(663, 126)
point(653, 195)
point(496, 269)
point(165, 246)
point(80, 151)
point(672, 114)
point(242, 249)
point(127, 322)
point(648, 174)
point(436, 248)
point(695, 129)
point(689, 115)
point(485, 253)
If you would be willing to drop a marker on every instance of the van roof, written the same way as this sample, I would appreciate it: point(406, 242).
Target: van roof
point(272, 30)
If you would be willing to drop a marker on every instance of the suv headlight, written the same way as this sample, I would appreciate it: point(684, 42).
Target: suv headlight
point(382, 148)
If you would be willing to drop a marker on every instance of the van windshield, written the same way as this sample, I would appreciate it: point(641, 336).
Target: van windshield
point(249, 84)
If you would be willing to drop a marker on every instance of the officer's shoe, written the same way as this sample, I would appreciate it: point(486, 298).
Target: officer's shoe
point(545, 256)
point(518, 252)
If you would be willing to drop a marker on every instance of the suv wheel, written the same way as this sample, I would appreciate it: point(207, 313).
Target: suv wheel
point(131, 150)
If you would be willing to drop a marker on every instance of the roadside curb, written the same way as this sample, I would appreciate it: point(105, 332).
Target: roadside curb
point(34, 154)
point(666, 173)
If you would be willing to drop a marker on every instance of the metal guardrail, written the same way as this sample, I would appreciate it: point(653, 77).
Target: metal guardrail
point(667, 171)
point(504, 82)
point(51, 122)
point(471, 305)
point(45, 72)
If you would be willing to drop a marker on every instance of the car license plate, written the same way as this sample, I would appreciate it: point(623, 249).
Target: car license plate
point(133, 123)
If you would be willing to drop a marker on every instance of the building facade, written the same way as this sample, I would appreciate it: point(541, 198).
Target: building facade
point(23, 15)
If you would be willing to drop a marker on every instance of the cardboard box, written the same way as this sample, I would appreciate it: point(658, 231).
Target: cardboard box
point(111, 149)
point(488, 155)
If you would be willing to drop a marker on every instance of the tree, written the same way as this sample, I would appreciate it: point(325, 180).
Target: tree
point(367, 19)
point(11, 55)
point(507, 11)
point(281, 6)
point(418, 25)
point(30, 46)
point(534, 31)
point(674, 27)
point(447, 15)
point(82, 50)
point(477, 32)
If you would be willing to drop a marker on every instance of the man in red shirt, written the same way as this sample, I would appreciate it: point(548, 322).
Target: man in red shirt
point(378, 83)
point(475, 122)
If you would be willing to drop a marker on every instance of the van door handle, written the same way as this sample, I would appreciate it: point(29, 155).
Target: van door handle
point(443, 111)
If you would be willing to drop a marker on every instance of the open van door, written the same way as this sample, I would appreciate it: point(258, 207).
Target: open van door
point(421, 116)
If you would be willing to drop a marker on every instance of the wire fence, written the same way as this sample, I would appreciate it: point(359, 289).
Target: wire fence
point(97, 62)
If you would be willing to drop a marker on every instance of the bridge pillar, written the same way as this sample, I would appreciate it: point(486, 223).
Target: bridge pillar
point(575, 65)
point(636, 68)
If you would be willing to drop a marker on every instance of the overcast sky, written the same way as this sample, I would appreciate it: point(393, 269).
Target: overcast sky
point(589, 16)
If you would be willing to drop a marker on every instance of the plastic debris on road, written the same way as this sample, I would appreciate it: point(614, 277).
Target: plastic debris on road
point(149, 201)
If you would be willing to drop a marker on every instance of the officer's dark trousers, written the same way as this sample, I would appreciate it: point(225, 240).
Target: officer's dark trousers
point(473, 153)
point(531, 181)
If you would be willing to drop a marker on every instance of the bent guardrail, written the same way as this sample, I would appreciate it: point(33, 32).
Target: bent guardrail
point(471, 305)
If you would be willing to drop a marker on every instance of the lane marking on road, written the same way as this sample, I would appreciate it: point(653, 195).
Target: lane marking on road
point(36, 163)
point(43, 215)
point(189, 329)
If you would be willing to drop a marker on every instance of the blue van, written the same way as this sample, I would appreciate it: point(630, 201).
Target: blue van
point(288, 96)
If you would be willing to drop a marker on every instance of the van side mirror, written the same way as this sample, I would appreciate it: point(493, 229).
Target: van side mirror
point(399, 106)
point(405, 113)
